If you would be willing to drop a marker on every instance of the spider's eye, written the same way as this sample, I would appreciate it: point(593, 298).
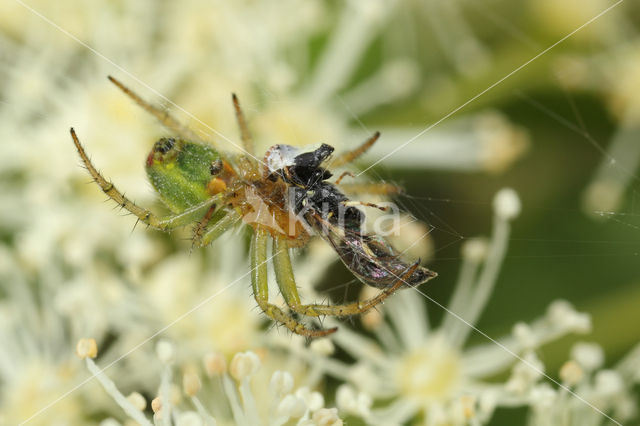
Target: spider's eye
point(165, 149)
point(215, 167)
point(164, 145)
point(180, 171)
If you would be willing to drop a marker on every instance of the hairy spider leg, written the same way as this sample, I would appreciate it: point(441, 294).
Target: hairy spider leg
point(259, 282)
point(198, 230)
point(364, 204)
point(210, 229)
point(163, 224)
point(162, 114)
point(245, 134)
point(349, 156)
point(371, 188)
point(287, 284)
point(343, 175)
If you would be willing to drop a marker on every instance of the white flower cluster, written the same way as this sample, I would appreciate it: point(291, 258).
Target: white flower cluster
point(281, 404)
point(590, 394)
point(418, 369)
point(71, 267)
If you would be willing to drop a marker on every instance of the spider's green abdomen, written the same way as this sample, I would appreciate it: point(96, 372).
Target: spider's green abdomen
point(180, 171)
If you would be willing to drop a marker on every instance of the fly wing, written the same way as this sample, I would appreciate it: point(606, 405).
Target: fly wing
point(369, 257)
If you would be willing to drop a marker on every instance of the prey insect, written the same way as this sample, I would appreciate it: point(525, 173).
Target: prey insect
point(285, 198)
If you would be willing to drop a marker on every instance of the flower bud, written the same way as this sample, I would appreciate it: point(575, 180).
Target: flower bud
point(87, 348)
point(244, 365)
point(191, 384)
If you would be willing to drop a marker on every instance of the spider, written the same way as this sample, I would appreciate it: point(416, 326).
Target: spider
point(284, 198)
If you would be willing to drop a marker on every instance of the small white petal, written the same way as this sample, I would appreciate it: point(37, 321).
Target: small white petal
point(571, 373)
point(400, 77)
point(542, 396)
point(475, 249)
point(350, 401)
point(165, 351)
point(346, 398)
point(191, 383)
point(608, 383)
point(137, 400)
point(189, 418)
point(506, 204)
point(323, 346)
point(244, 364)
point(291, 406)
point(314, 400)
point(214, 364)
point(525, 373)
point(525, 336)
point(86, 348)
point(487, 404)
point(281, 383)
point(156, 404)
point(581, 323)
point(326, 417)
point(361, 375)
point(364, 403)
point(563, 316)
point(110, 422)
point(372, 318)
point(589, 355)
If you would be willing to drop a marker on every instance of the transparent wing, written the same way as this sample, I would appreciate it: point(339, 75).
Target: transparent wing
point(369, 257)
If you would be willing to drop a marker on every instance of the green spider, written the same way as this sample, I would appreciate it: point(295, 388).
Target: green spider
point(285, 198)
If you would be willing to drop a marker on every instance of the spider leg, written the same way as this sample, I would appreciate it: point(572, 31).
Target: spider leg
point(343, 175)
point(350, 156)
point(245, 135)
point(200, 227)
point(371, 188)
point(365, 204)
point(284, 273)
point(161, 114)
point(286, 281)
point(260, 286)
point(211, 226)
point(144, 215)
